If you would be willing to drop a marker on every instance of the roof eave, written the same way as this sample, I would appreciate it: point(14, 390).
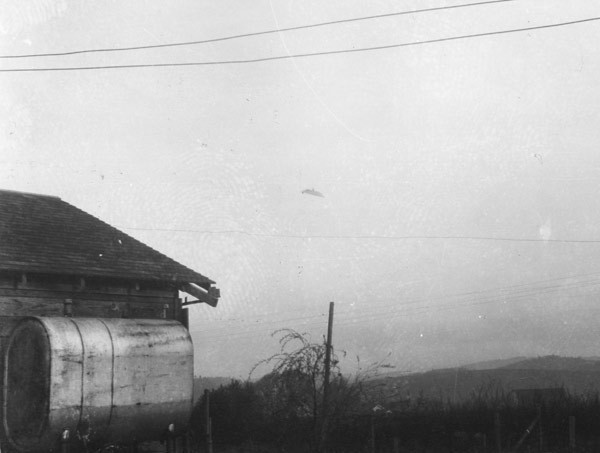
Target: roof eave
point(210, 297)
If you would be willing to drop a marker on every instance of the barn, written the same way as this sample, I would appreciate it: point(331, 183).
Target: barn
point(94, 345)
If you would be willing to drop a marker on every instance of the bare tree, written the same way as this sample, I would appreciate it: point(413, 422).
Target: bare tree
point(293, 390)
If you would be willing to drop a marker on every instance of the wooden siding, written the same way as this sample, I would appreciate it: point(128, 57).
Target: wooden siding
point(44, 295)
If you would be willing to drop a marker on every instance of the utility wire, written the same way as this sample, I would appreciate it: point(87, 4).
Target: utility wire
point(469, 302)
point(247, 35)
point(345, 323)
point(302, 55)
point(376, 237)
point(502, 291)
point(531, 288)
point(404, 310)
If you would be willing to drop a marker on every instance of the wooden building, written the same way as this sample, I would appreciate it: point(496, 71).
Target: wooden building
point(56, 260)
point(67, 371)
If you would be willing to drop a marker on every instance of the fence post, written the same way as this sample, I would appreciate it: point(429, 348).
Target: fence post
point(541, 431)
point(65, 440)
point(209, 444)
point(572, 434)
point(372, 437)
point(497, 432)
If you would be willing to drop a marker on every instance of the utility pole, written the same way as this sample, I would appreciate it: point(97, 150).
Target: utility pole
point(324, 425)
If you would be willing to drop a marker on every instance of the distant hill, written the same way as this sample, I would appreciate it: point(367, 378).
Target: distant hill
point(553, 362)
point(493, 364)
point(576, 375)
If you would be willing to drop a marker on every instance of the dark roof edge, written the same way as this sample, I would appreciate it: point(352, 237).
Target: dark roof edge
point(30, 194)
point(116, 276)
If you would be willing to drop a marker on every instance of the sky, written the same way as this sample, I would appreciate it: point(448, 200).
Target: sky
point(459, 220)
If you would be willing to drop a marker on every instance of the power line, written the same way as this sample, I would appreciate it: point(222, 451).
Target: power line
point(375, 237)
point(349, 322)
point(403, 310)
point(467, 302)
point(302, 55)
point(535, 287)
point(411, 308)
point(247, 35)
point(353, 322)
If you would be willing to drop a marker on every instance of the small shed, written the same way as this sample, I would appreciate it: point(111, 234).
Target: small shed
point(57, 260)
point(66, 366)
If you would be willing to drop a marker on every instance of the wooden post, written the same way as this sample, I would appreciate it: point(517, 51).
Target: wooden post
point(209, 445)
point(176, 313)
point(188, 441)
point(170, 440)
point(325, 415)
point(541, 431)
point(68, 308)
point(168, 443)
point(396, 445)
point(497, 432)
point(527, 432)
point(65, 441)
point(572, 444)
point(185, 318)
point(372, 436)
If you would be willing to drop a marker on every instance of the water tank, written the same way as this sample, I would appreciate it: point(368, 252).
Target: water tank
point(105, 380)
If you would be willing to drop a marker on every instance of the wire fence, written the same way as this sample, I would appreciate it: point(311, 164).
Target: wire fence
point(565, 423)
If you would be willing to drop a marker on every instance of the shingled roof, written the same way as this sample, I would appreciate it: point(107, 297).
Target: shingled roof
point(44, 234)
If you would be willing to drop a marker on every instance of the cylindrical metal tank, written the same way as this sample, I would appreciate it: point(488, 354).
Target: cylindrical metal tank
point(106, 380)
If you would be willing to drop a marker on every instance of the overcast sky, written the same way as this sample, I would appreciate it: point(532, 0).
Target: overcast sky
point(460, 178)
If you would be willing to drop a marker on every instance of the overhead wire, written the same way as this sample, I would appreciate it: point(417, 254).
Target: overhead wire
point(533, 286)
point(401, 310)
point(374, 237)
point(301, 55)
point(341, 323)
point(504, 294)
point(252, 34)
point(481, 301)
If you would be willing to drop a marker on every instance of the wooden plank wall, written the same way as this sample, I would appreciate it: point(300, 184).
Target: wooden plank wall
point(31, 295)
